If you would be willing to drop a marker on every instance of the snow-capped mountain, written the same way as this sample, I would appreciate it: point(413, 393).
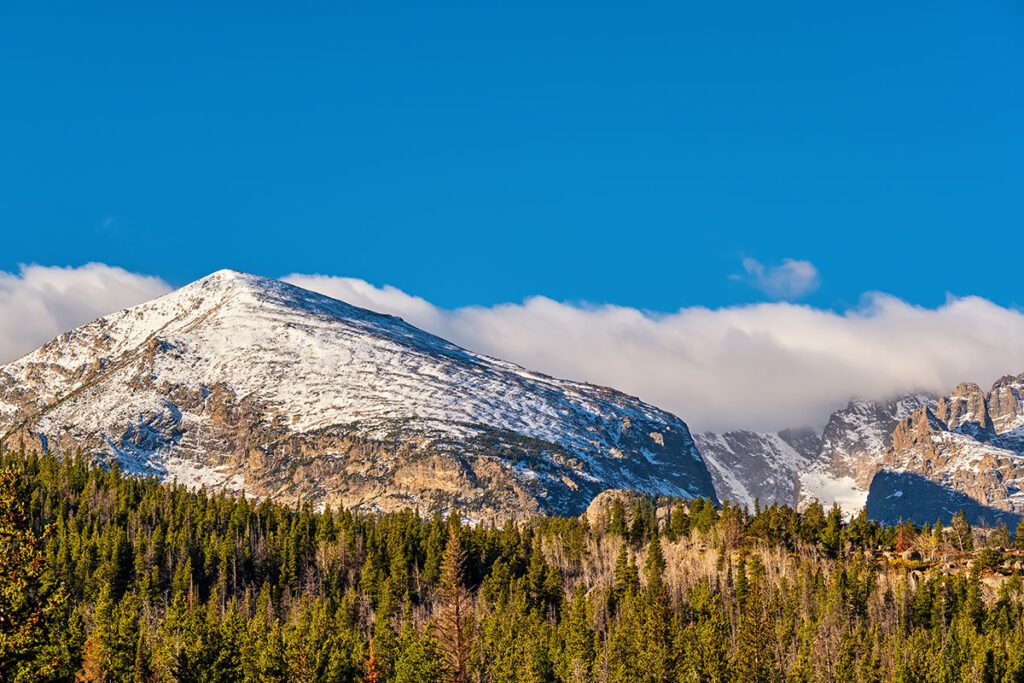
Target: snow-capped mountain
point(853, 445)
point(747, 466)
point(795, 466)
point(254, 385)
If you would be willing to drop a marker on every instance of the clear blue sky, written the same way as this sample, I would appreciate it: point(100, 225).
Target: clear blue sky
point(481, 152)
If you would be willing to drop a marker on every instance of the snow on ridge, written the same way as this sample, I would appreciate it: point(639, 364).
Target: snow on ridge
point(748, 466)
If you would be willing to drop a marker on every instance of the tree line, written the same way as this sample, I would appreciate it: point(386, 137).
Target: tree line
point(105, 577)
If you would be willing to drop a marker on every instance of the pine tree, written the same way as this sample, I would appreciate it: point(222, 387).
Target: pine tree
point(626, 580)
point(617, 519)
point(624, 642)
point(577, 636)
point(113, 646)
point(371, 668)
point(680, 522)
point(228, 663)
point(832, 533)
point(454, 618)
point(1000, 536)
point(936, 538)
point(418, 659)
point(654, 566)
point(811, 522)
point(702, 647)
point(742, 585)
point(656, 656)
point(96, 662)
point(537, 574)
point(754, 651)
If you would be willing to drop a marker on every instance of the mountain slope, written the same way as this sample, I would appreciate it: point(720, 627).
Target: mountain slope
point(796, 466)
point(748, 465)
point(255, 385)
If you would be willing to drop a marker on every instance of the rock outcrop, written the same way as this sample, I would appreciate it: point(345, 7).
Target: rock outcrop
point(853, 444)
point(794, 467)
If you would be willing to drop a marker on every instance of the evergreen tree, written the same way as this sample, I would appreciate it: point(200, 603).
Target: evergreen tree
point(454, 620)
point(164, 584)
point(702, 646)
point(617, 519)
point(654, 566)
point(577, 636)
point(419, 660)
point(832, 533)
point(626, 579)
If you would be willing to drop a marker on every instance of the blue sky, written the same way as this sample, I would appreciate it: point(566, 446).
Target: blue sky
point(477, 153)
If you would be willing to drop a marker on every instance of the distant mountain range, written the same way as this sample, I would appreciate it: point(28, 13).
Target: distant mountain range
point(248, 384)
point(936, 455)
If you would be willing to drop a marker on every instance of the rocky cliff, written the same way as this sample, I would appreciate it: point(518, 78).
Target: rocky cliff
point(972, 443)
point(853, 445)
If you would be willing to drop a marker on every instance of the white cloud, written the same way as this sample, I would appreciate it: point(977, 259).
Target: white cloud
point(39, 302)
point(791, 279)
point(761, 366)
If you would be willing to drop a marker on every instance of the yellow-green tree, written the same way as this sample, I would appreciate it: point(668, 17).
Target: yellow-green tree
point(29, 603)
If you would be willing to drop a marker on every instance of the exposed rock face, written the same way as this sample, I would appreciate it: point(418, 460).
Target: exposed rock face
point(966, 409)
point(749, 465)
point(1005, 406)
point(250, 384)
point(971, 444)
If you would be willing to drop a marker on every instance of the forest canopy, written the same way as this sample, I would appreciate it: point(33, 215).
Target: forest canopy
point(105, 577)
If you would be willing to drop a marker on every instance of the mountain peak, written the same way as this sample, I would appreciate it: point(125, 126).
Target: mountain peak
point(227, 274)
point(228, 278)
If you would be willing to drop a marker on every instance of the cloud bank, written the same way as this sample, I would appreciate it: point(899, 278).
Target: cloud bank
point(39, 302)
point(760, 366)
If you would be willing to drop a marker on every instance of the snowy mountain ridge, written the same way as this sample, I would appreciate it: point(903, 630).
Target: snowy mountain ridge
point(971, 443)
point(256, 385)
